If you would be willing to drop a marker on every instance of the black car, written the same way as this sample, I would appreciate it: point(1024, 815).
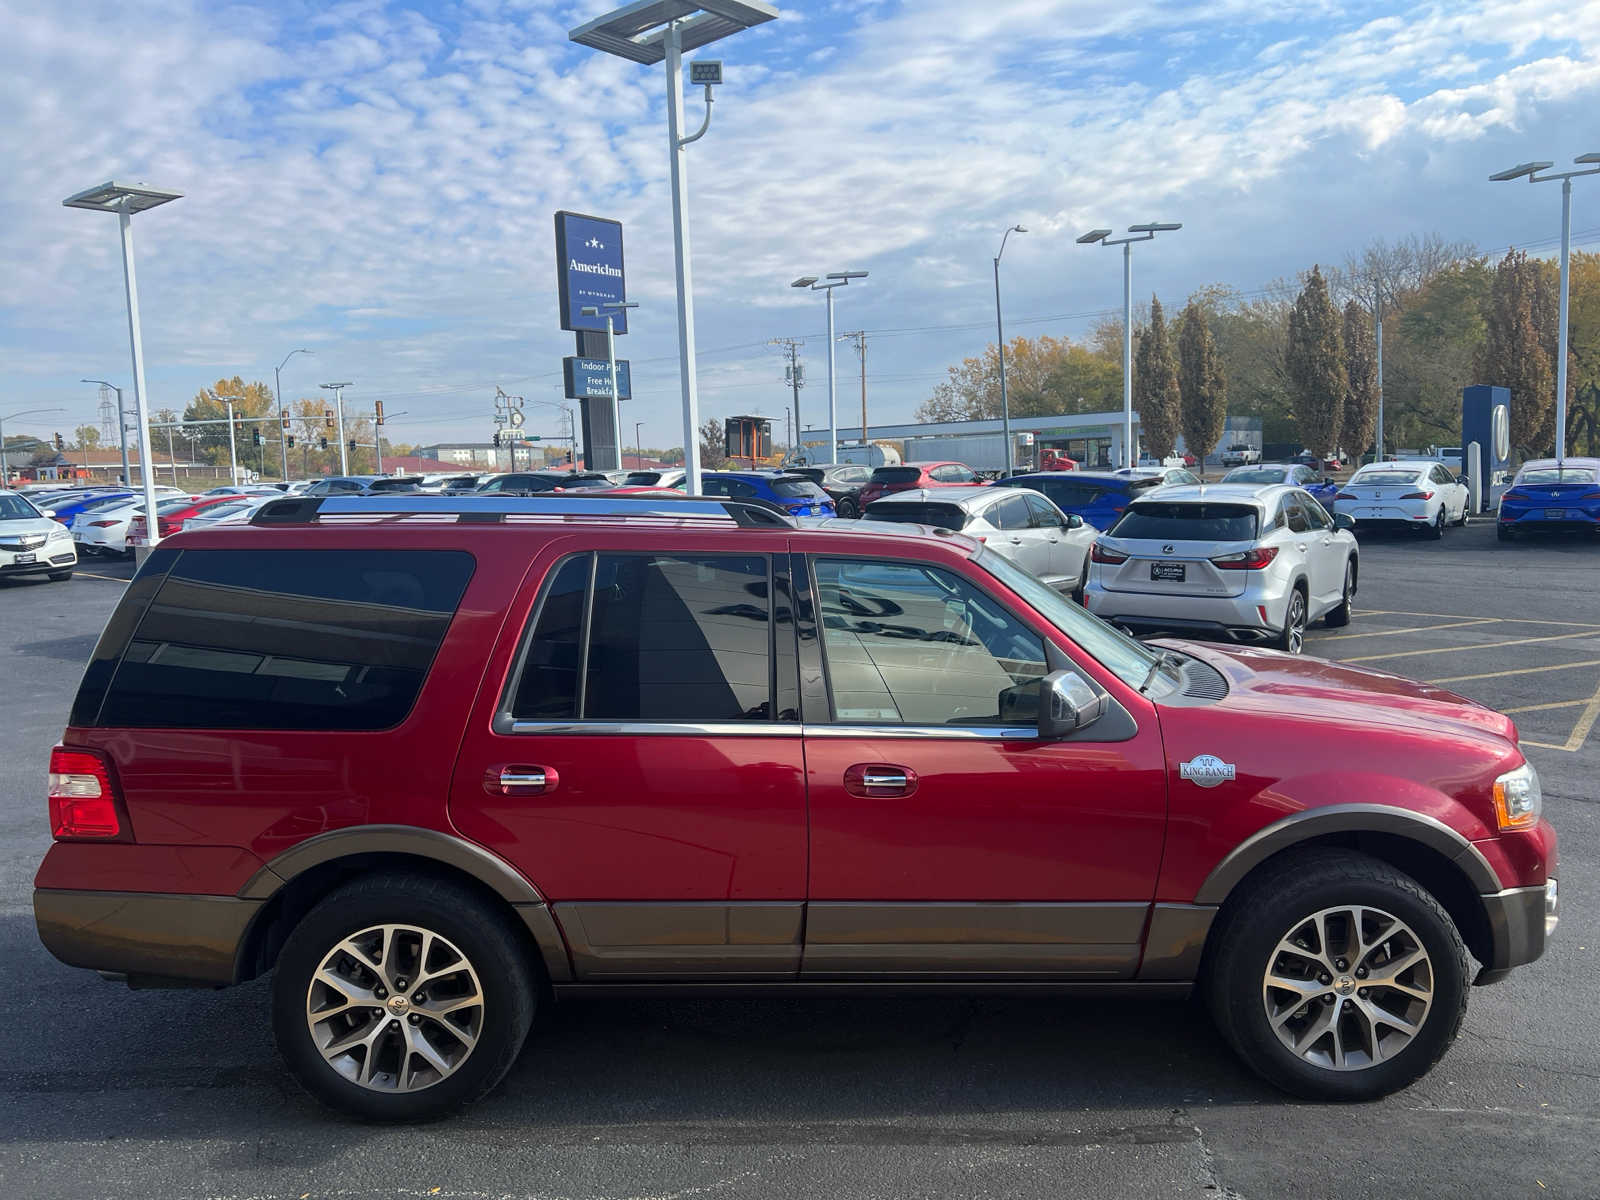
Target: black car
point(842, 482)
point(531, 483)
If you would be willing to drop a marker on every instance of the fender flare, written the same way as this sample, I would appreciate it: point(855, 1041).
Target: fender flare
point(1347, 818)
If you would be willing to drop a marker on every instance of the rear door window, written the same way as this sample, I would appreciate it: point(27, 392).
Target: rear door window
point(1151, 520)
point(1295, 515)
point(797, 489)
point(1010, 513)
point(286, 639)
point(1071, 494)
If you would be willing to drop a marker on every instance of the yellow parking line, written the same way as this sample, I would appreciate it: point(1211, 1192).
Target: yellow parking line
point(1541, 745)
point(1586, 720)
point(1339, 637)
point(92, 575)
point(1588, 662)
point(1395, 612)
point(1522, 708)
point(1551, 637)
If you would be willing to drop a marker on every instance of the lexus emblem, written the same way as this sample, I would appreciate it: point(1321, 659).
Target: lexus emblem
point(1167, 549)
point(1207, 770)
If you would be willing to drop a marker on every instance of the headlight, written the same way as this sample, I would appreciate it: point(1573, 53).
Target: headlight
point(60, 531)
point(1517, 799)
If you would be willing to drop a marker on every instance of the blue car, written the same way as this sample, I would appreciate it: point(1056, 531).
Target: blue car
point(795, 494)
point(1550, 495)
point(65, 509)
point(1294, 474)
point(1099, 497)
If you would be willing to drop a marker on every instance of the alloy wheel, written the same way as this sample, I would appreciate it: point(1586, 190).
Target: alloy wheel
point(1295, 623)
point(395, 1008)
point(1348, 988)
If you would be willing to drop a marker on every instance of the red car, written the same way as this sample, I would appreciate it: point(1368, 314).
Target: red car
point(432, 768)
point(906, 476)
point(171, 514)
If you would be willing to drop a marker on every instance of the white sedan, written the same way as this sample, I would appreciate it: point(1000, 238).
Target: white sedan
point(31, 543)
point(234, 512)
point(1423, 495)
point(105, 530)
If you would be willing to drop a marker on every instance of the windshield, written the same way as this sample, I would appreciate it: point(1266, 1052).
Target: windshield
point(173, 505)
point(797, 489)
point(1254, 475)
point(1125, 658)
point(1559, 475)
point(15, 508)
point(941, 516)
point(1204, 522)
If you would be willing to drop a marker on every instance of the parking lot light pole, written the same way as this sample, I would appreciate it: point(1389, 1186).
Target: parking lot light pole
point(1530, 171)
point(1000, 343)
point(338, 399)
point(233, 449)
point(659, 31)
point(835, 279)
point(277, 384)
point(125, 200)
point(5, 467)
point(122, 431)
point(1136, 233)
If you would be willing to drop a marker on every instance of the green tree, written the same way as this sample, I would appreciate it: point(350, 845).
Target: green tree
point(1155, 386)
point(1513, 354)
point(1583, 413)
point(1360, 418)
point(1202, 384)
point(210, 404)
point(1315, 363)
point(85, 437)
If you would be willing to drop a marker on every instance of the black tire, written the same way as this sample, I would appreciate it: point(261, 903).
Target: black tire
point(60, 576)
point(1436, 530)
point(1083, 582)
point(1292, 637)
point(1271, 904)
point(480, 932)
point(848, 508)
point(1504, 533)
point(1339, 617)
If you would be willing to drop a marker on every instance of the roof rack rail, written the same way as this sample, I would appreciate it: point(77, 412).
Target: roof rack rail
point(302, 510)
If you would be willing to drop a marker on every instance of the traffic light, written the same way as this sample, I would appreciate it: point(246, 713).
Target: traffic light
point(286, 420)
point(291, 441)
point(60, 442)
point(496, 440)
point(377, 408)
point(327, 417)
point(352, 445)
point(255, 437)
point(322, 443)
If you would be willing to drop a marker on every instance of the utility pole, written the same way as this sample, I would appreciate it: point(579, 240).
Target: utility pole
point(859, 337)
point(795, 376)
point(344, 450)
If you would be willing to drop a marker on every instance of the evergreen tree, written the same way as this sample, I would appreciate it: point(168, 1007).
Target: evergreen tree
point(1155, 386)
point(1360, 420)
point(1514, 357)
point(1202, 385)
point(1314, 359)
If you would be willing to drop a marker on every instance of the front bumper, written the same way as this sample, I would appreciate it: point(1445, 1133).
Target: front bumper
point(148, 936)
point(54, 555)
point(1521, 920)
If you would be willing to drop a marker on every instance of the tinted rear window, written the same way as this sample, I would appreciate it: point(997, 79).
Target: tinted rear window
point(798, 489)
point(942, 516)
point(896, 474)
point(1255, 475)
point(1152, 520)
point(1559, 475)
point(284, 639)
point(1384, 478)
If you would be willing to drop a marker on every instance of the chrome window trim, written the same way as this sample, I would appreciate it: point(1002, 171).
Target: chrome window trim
point(986, 733)
point(655, 728)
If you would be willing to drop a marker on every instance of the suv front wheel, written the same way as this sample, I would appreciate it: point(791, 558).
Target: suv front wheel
point(400, 998)
point(1337, 977)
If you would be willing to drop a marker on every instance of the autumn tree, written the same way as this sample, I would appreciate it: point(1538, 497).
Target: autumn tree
point(1315, 362)
point(1513, 355)
point(210, 404)
point(1202, 385)
point(713, 445)
point(1044, 376)
point(1155, 386)
point(85, 437)
point(1359, 422)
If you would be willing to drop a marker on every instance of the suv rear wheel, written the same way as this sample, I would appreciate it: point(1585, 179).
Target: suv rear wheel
point(1336, 977)
point(1339, 617)
point(400, 997)
point(1292, 637)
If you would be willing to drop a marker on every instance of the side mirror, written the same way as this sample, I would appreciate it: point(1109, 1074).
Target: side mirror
point(1074, 521)
point(1344, 521)
point(1462, 480)
point(1067, 703)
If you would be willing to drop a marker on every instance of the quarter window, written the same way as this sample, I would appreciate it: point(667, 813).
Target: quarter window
point(914, 645)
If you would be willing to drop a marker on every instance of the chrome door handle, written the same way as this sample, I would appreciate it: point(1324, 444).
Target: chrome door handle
point(1016, 541)
point(519, 780)
point(884, 779)
point(880, 779)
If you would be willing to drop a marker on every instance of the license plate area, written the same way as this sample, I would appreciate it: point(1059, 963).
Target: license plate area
point(1555, 514)
point(1169, 572)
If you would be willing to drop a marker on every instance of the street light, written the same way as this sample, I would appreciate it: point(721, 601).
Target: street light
point(835, 279)
point(638, 445)
point(277, 384)
point(1000, 341)
point(344, 451)
point(1144, 234)
point(652, 31)
point(612, 307)
point(1530, 171)
point(125, 200)
point(122, 431)
point(5, 469)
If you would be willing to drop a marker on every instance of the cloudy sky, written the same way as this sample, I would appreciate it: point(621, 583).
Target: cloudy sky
point(376, 181)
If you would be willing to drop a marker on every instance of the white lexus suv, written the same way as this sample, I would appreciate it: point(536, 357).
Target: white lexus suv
point(31, 543)
point(1252, 564)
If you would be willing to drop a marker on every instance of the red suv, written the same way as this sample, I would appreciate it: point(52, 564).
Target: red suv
point(437, 761)
point(916, 475)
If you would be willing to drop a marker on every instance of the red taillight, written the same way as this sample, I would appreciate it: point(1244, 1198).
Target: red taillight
point(1590, 496)
point(1346, 496)
point(1101, 554)
point(83, 802)
point(1513, 494)
point(101, 524)
point(1246, 560)
point(1417, 496)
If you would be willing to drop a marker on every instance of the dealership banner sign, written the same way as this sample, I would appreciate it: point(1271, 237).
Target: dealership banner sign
point(590, 378)
point(589, 272)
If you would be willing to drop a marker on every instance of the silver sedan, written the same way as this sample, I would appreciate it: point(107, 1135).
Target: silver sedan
point(1017, 523)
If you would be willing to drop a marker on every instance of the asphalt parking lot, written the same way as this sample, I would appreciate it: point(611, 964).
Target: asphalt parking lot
point(112, 1093)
